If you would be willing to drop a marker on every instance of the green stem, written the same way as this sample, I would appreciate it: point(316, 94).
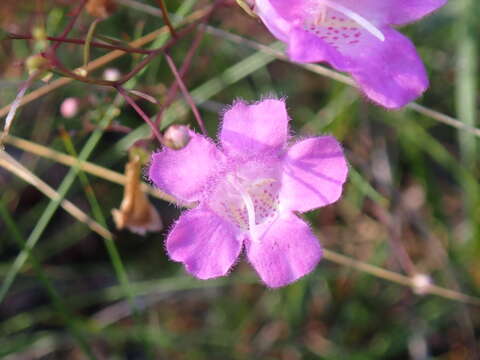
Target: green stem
point(115, 258)
point(466, 96)
point(88, 41)
point(100, 218)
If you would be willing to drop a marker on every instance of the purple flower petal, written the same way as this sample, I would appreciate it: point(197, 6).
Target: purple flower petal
point(248, 190)
point(315, 170)
point(356, 37)
point(379, 12)
point(184, 173)
point(206, 244)
point(287, 251)
point(256, 128)
point(390, 72)
point(394, 12)
point(278, 19)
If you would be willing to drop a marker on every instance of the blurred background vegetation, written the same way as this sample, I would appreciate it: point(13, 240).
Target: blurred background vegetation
point(411, 205)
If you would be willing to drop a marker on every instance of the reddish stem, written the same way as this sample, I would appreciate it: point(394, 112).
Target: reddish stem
point(70, 24)
point(140, 112)
point(172, 92)
point(126, 49)
point(152, 54)
point(186, 94)
point(166, 18)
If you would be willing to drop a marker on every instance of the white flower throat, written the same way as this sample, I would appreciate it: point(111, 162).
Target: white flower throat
point(246, 199)
point(320, 12)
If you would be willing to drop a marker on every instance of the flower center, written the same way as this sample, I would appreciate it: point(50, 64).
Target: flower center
point(245, 201)
point(320, 9)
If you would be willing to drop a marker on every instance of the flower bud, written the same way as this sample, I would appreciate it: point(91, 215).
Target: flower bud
point(421, 283)
point(39, 34)
point(100, 8)
point(177, 137)
point(36, 62)
point(81, 72)
point(111, 74)
point(70, 107)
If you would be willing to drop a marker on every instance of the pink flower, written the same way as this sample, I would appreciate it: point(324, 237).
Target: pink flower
point(248, 189)
point(355, 36)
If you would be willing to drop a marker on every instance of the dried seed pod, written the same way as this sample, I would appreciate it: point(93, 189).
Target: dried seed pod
point(136, 213)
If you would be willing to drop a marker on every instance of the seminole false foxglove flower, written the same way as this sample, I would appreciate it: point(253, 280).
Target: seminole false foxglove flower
point(354, 36)
point(248, 189)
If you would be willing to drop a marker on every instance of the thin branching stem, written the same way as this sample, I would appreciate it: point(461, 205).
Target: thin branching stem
point(88, 42)
point(16, 104)
point(70, 25)
point(13, 166)
point(172, 92)
point(192, 19)
point(52, 207)
point(64, 71)
point(141, 113)
point(124, 48)
point(186, 93)
point(166, 18)
point(85, 166)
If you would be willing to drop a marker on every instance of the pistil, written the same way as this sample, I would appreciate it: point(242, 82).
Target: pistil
point(249, 206)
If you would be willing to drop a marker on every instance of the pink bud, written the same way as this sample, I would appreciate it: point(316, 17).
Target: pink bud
point(70, 107)
point(177, 137)
point(421, 283)
point(111, 74)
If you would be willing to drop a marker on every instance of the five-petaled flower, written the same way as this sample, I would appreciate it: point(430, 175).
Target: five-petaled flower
point(355, 36)
point(248, 188)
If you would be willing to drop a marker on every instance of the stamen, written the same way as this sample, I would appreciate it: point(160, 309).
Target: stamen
point(236, 213)
point(360, 20)
point(266, 197)
point(323, 12)
point(262, 182)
